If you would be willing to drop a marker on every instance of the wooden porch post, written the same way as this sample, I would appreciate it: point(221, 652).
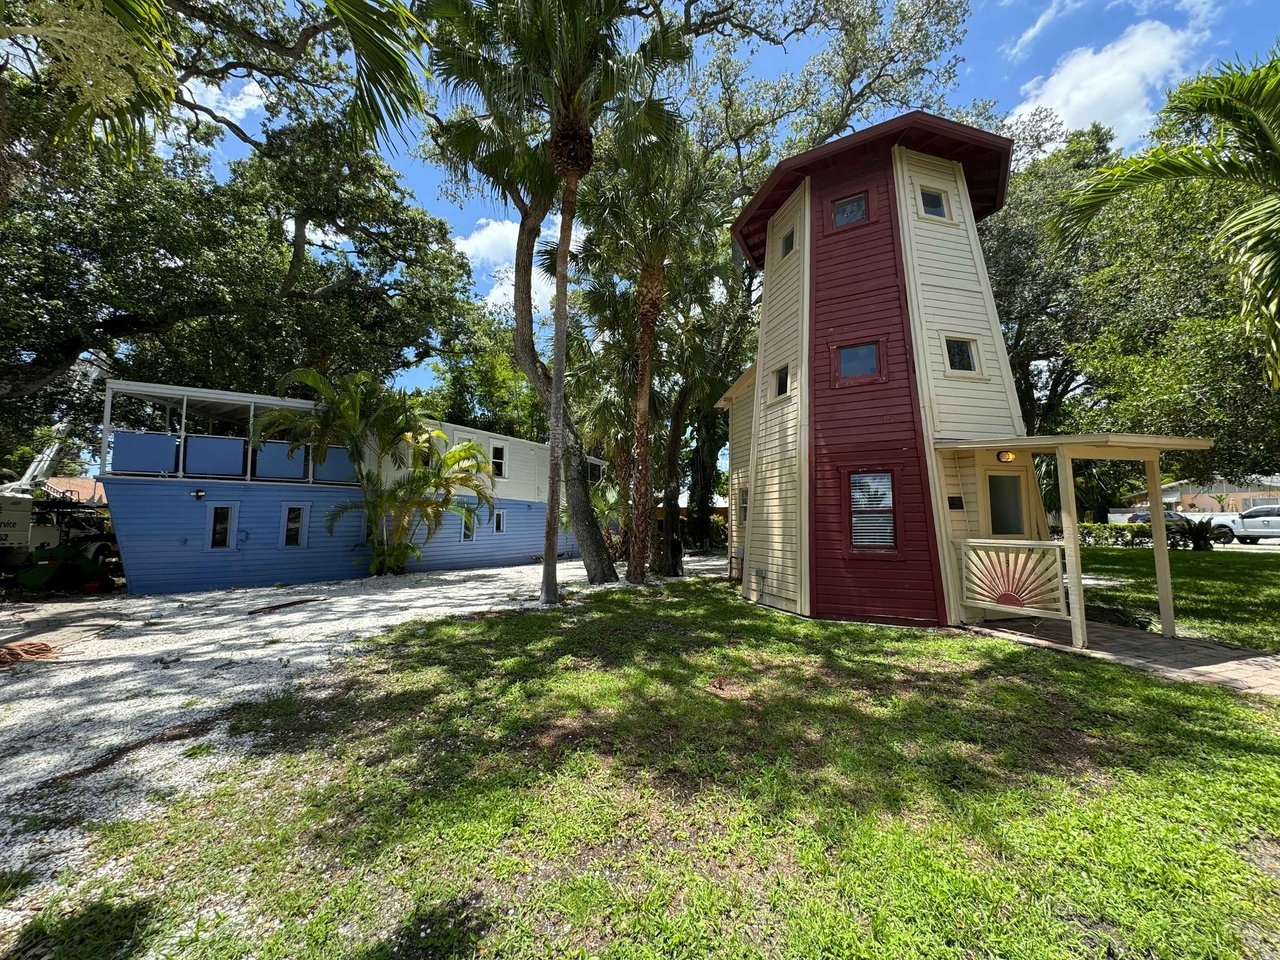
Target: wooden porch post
point(1160, 541)
point(1071, 547)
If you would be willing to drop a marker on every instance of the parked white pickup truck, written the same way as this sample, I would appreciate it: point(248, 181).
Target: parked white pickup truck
point(1248, 527)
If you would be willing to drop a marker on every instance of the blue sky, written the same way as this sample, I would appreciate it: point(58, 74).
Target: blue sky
point(1105, 60)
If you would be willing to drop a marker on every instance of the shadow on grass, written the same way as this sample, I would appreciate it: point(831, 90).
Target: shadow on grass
point(97, 930)
point(443, 931)
point(690, 688)
point(13, 882)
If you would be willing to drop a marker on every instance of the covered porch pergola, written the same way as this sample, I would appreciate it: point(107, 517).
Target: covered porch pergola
point(1100, 446)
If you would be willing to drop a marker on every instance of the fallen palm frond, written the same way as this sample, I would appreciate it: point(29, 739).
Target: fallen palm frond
point(26, 650)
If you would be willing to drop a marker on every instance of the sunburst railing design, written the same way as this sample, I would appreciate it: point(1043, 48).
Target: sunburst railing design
point(1014, 576)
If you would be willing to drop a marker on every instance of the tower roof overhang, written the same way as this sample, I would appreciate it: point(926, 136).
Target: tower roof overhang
point(984, 156)
point(741, 388)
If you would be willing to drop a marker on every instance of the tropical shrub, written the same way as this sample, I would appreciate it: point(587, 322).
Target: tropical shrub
point(409, 476)
point(1197, 535)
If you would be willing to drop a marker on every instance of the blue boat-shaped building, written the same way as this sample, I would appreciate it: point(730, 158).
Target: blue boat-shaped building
point(195, 506)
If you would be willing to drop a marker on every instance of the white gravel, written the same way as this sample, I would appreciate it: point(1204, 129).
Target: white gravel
point(177, 659)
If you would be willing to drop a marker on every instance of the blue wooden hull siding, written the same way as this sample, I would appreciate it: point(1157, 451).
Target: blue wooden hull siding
point(164, 534)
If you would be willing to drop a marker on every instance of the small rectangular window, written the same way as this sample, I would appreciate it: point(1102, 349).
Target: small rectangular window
point(871, 517)
point(788, 242)
point(781, 382)
point(468, 524)
point(595, 472)
point(859, 360)
point(850, 210)
point(933, 203)
point(1005, 499)
point(742, 505)
point(498, 460)
point(293, 519)
point(962, 355)
point(500, 522)
point(220, 534)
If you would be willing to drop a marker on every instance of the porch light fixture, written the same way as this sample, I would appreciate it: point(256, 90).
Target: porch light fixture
point(1006, 456)
point(198, 494)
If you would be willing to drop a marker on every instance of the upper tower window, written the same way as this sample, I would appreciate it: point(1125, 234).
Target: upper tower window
point(781, 382)
point(851, 210)
point(962, 355)
point(788, 241)
point(855, 364)
point(933, 203)
point(862, 360)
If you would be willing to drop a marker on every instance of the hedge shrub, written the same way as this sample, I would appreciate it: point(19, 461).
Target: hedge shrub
point(1115, 534)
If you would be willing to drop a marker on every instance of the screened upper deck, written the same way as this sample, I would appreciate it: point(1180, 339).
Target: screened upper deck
point(158, 430)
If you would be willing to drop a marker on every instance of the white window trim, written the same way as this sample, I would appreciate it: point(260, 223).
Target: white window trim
point(783, 252)
point(503, 460)
point(774, 396)
point(462, 534)
point(500, 515)
point(947, 206)
point(233, 526)
point(947, 370)
point(305, 506)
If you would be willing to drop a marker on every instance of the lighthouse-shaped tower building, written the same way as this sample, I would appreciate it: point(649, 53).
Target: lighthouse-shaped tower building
point(878, 464)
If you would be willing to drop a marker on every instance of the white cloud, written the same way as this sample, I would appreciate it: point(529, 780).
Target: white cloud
point(1119, 85)
point(1056, 8)
point(491, 248)
point(491, 243)
point(544, 289)
point(1200, 13)
point(234, 103)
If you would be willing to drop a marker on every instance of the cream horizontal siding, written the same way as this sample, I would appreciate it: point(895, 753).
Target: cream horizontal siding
point(953, 297)
point(527, 462)
point(739, 465)
point(772, 571)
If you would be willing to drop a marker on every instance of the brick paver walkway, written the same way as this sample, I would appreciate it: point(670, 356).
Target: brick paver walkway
point(1202, 661)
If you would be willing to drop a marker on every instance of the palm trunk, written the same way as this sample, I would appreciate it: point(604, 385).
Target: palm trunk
point(586, 526)
point(648, 310)
point(666, 563)
point(623, 468)
point(702, 479)
point(559, 344)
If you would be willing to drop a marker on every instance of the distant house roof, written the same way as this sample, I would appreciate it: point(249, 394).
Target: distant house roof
point(1261, 484)
point(984, 156)
point(85, 489)
point(717, 501)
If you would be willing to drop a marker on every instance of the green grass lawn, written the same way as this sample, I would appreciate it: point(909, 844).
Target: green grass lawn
point(678, 774)
point(1229, 595)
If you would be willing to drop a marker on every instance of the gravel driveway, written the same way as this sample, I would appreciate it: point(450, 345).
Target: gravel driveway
point(107, 731)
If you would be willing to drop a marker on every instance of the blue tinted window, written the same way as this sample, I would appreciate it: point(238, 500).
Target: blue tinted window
point(852, 210)
point(862, 360)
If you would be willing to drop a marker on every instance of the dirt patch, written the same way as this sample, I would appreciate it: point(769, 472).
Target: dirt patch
point(1264, 853)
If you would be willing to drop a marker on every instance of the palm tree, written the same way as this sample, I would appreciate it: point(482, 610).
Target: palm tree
point(653, 210)
point(411, 508)
point(1242, 104)
point(124, 50)
point(564, 63)
point(382, 430)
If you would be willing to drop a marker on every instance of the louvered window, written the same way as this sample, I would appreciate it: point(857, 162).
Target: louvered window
point(871, 518)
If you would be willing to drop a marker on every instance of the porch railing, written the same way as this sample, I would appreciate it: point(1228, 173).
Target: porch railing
point(151, 454)
point(1014, 576)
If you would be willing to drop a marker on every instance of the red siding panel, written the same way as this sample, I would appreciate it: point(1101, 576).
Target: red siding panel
point(857, 294)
